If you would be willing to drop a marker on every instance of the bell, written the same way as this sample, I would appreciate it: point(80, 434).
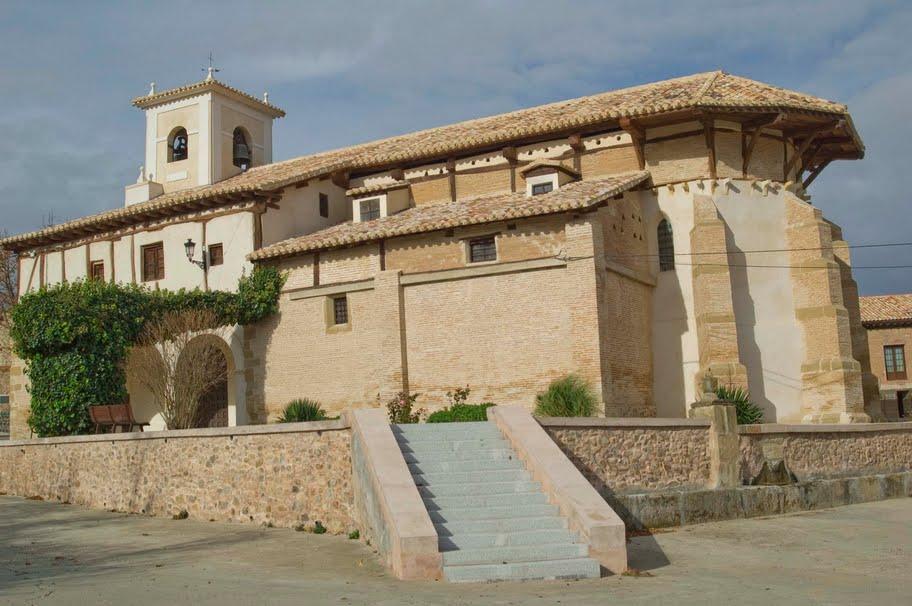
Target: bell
point(241, 155)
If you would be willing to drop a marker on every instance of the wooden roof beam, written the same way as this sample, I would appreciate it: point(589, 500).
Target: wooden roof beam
point(814, 173)
point(638, 136)
point(756, 127)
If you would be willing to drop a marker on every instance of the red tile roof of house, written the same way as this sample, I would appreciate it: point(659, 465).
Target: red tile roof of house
point(886, 310)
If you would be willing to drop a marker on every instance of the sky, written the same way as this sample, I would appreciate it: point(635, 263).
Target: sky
point(353, 71)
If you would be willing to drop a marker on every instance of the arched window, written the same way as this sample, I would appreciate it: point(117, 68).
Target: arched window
point(666, 246)
point(241, 157)
point(177, 145)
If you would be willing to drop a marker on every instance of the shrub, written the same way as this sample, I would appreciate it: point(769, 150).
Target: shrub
point(747, 412)
point(401, 409)
point(354, 535)
point(569, 396)
point(301, 410)
point(461, 413)
point(319, 528)
point(75, 336)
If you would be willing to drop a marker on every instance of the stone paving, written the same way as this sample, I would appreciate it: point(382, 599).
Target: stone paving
point(63, 554)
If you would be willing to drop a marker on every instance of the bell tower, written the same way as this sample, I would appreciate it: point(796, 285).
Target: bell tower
point(200, 134)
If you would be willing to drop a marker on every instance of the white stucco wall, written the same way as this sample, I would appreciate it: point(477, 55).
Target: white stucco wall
point(299, 211)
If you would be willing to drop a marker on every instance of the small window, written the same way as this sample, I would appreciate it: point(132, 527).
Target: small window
point(241, 156)
point(895, 362)
point(370, 209)
point(96, 270)
point(666, 246)
point(324, 205)
point(4, 399)
point(340, 310)
point(153, 258)
point(482, 249)
point(542, 188)
point(178, 145)
point(216, 255)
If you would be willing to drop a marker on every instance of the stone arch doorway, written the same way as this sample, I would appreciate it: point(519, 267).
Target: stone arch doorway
point(216, 404)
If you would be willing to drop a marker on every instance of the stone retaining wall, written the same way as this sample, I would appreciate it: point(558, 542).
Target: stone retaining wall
point(831, 451)
point(633, 455)
point(283, 475)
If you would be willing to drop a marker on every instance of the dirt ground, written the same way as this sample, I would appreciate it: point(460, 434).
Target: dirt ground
point(63, 554)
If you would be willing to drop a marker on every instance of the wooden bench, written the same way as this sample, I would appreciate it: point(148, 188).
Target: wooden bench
point(113, 416)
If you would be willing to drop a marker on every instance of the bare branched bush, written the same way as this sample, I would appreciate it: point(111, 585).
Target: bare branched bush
point(178, 360)
point(8, 290)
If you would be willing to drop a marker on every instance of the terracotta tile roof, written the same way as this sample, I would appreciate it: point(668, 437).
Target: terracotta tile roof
point(699, 91)
point(471, 211)
point(376, 189)
point(886, 310)
point(202, 86)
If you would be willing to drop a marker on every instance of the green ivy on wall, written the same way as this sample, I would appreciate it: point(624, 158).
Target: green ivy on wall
point(74, 338)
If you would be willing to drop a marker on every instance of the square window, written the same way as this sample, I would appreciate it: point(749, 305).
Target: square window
point(216, 255)
point(324, 205)
point(153, 262)
point(4, 399)
point(370, 209)
point(96, 270)
point(542, 188)
point(340, 310)
point(482, 249)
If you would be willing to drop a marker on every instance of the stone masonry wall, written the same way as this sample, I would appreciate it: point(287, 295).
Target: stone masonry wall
point(813, 453)
point(289, 475)
point(626, 455)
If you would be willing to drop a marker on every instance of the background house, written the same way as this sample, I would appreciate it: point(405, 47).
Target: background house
point(888, 320)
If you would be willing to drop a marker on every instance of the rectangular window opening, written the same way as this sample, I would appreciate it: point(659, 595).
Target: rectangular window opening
point(482, 249)
point(216, 255)
point(96, 270)
point(542, 188)
point(153, 262)
point(895, 362)
point(370, 209)
point(324, 205)
point(340, 310)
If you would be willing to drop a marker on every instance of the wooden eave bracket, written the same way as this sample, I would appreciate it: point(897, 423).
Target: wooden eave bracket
point(756, 127)
point(340, 179)
point(638, 136)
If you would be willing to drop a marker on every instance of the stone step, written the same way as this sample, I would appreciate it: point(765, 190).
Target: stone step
point(453, 489)
point(466, 465)
point(514, 499)
point(459, 527)
point(516, 553)
point(477, 540)
point(448, 456)
point(578, 568)
point(447, 431)
point(408, 428)
point(492, 513)
point(485, 476)
point(430, 446)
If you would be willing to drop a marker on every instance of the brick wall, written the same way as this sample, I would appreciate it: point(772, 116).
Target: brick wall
point(299, 475)
point(877, 339)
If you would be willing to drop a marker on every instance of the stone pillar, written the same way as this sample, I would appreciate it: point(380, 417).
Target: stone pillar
point(724, 442)
point(389, 324)
point(717, 332)
point(20, 400)
point(831, 377)
point(585, 274)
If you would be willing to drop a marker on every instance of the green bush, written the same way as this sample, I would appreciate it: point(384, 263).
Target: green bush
point(747, 412)
point(461, 413)
point(74, 338)
point(570, 396)
point(401, 409)
point(299, 411)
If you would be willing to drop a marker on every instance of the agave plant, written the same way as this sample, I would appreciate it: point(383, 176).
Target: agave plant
point(747, 412)
point(303, 409)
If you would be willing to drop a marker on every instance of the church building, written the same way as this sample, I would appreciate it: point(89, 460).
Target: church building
point(640, 238)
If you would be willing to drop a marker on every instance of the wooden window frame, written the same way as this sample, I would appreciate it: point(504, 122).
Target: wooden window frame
point(890, 360)
point(371, 213)
point(216, 255)
point(324, 205)
point(93, 266)
point(144, 250)
point(545, 187)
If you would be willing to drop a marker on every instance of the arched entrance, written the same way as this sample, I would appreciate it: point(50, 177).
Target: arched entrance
point(213, 405)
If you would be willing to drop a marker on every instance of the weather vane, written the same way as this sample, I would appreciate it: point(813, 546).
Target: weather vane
point(211, 69)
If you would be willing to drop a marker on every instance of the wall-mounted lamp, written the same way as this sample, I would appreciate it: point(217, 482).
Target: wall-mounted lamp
point(190, 249)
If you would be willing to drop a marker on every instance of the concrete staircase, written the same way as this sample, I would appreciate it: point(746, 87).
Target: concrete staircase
point(493, 522)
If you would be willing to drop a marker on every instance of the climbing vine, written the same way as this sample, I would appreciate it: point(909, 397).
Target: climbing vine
point(74, 338)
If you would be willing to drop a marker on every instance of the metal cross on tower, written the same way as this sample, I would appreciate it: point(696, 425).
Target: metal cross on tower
point(211, 69)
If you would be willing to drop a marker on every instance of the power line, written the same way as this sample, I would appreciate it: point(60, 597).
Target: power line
point(767, 250)
point(852, 267)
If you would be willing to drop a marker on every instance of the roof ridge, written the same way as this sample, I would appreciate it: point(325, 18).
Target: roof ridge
point(713, 76)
